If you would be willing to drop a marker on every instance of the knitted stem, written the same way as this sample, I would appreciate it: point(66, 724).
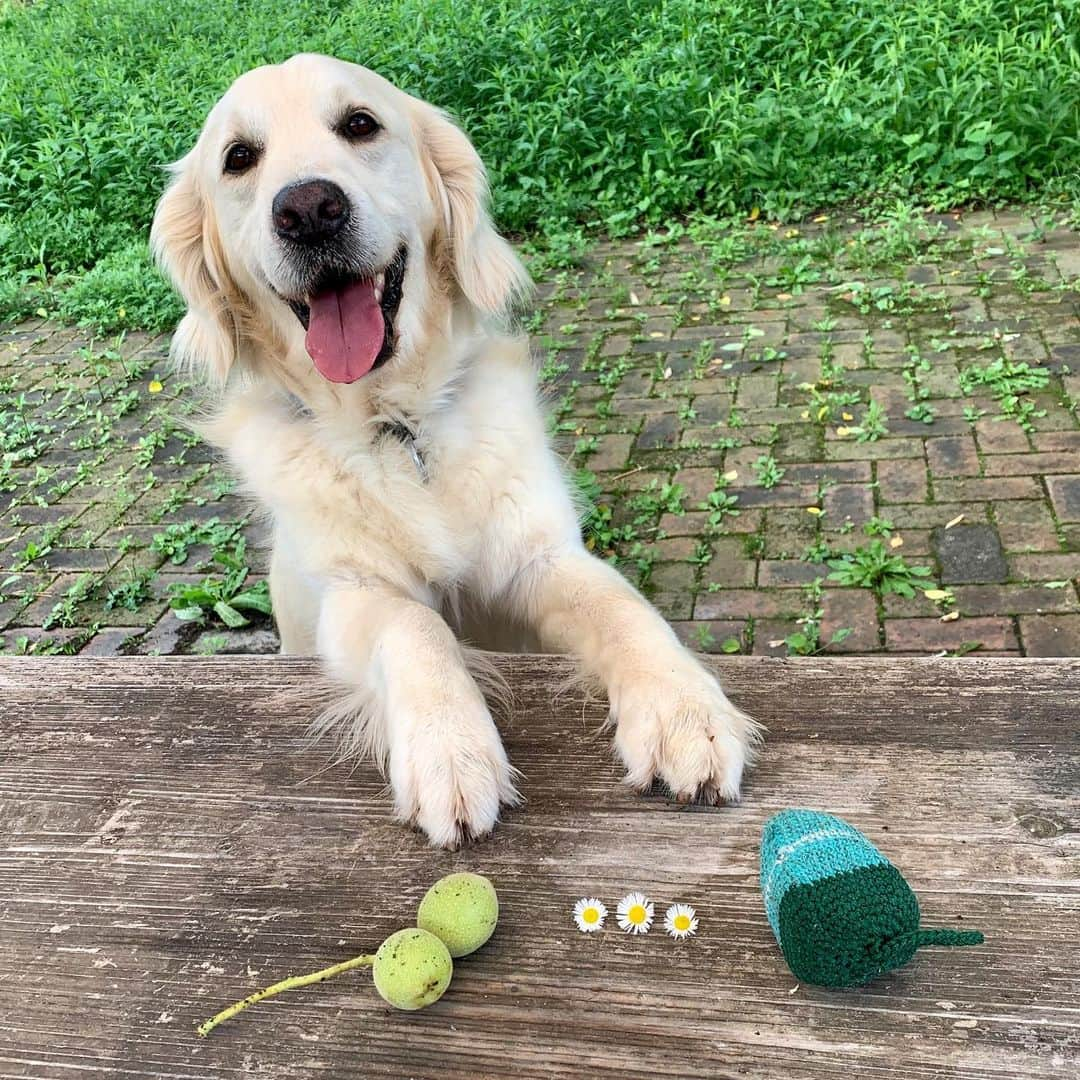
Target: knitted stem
point(947, 937)
point(291, 983)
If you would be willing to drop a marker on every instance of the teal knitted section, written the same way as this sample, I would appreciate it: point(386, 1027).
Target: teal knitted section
point(800, 847)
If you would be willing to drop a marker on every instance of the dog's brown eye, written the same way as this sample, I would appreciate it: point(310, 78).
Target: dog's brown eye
point(239, 158)
point(360, 125)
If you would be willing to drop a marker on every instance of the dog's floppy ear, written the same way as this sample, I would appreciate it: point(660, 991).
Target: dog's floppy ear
point(487, 271)
point(186, 245)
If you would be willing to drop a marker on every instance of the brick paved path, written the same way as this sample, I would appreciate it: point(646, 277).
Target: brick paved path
point(756, 410)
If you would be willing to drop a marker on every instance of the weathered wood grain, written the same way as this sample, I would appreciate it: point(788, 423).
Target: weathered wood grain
point(168, 844)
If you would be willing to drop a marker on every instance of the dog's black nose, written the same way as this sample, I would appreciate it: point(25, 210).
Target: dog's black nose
point(310, 212)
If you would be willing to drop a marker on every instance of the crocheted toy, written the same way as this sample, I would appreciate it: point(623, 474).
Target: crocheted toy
point(841, 912)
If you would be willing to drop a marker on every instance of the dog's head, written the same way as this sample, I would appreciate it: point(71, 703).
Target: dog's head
point(323, 205)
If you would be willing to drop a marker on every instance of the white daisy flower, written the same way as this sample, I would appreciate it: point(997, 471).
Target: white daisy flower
point(680, 921)
point(589, 914)
point(635, 913)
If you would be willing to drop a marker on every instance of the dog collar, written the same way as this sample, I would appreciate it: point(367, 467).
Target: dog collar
point(407, 437)
point(396, 429)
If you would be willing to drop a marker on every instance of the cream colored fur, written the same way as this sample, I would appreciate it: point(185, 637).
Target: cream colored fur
point(374, 568)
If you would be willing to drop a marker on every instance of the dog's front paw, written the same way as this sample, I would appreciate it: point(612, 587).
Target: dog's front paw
point(677, 725)
point(450, 773)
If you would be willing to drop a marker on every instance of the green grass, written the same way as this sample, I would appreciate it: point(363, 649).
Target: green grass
point(227, 597)
point(605, 115)
point(1010, 382)
point(875, 567)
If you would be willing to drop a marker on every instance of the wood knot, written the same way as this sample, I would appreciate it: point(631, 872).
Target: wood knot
point(1042, 826)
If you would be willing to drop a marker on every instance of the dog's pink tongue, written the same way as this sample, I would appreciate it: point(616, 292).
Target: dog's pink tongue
point(345, 331)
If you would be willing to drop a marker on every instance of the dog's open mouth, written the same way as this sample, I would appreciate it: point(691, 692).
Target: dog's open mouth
point(350, 321)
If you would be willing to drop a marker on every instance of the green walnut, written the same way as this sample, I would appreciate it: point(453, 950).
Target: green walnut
point(462, 910)
point(412, 969)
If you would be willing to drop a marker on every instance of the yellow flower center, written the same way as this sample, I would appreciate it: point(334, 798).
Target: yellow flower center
point(591, 915)
point(636, 914)
point(681, 922)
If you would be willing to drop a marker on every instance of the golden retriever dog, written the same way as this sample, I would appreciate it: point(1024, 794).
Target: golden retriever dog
point(347, 297)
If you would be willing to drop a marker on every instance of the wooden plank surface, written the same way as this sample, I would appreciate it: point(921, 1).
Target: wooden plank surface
point(168, 844)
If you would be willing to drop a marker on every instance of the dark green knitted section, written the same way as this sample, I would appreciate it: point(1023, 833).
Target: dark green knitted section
point(844, 930)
